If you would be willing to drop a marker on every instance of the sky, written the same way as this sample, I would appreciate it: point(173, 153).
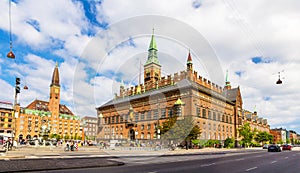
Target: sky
point(97, 44)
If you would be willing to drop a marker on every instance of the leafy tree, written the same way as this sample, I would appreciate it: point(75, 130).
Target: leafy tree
point(246, 134)
point(229, 143)
point(263, 137)
point(179, 129)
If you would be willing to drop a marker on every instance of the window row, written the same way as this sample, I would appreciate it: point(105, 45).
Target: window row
point(140, 116)
point(212, 115)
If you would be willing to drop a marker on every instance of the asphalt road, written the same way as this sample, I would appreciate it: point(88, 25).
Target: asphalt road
point(258, 162)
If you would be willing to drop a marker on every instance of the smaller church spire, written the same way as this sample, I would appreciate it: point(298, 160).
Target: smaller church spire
point(189, 62)
point(55, 76)
point(227, 82)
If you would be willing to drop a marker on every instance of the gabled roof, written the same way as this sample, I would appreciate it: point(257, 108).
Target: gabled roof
point(231, 94)
point(43, 106)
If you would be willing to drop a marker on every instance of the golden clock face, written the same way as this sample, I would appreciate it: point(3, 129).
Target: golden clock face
point(56, 90)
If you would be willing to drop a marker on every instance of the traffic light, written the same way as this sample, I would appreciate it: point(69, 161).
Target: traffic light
point(18, 90)
point(18, 81)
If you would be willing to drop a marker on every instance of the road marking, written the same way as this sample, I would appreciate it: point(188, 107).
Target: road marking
point(273, 162)
point(286, 157)
point(153, 172)
point(239, 159)
point(207, 164)
point(258, 156)
point(251, 169)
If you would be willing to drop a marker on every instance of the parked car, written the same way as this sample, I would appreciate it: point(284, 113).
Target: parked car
point(265, 146)
point(286, 147)
point(274, 148)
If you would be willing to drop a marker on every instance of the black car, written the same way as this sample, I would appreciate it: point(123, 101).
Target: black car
point(274, 148)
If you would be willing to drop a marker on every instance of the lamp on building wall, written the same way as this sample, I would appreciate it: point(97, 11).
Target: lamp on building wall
point(279, 81)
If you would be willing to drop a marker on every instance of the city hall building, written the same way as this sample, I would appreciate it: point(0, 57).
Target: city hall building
point(136, 112)
point(41, 119)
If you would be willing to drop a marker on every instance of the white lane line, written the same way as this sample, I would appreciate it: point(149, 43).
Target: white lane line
point(273, 162)
point(251, 169)
point(207, 164)
point(258, 156)
point(286, 157)
point(239, 159)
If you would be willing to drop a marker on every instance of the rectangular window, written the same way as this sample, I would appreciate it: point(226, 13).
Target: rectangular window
point(113, 119)
point(136, 116)
point(219, 117)
point(148, 126)
point(149, 117)
point(121, 118)
point(163, 113)
point(170, 112)
point(143, 116)
point(203, 113)
point(155, 116)
point(209, 115)
point(214, 116)
point(142, 127)
point(198, 112)
point(117, 119)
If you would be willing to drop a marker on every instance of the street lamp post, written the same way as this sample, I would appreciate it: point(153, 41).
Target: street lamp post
point(15, 113)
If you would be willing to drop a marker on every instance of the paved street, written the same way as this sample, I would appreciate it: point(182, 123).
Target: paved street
point(254, 162)
point(137, 160)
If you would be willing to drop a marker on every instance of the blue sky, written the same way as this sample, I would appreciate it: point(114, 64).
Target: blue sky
point(99, 43)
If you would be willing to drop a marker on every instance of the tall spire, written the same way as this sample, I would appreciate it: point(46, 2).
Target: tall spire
point(55, 76)
point(152, 51)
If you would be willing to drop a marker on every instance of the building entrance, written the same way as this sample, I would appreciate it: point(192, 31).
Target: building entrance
point(131, 134)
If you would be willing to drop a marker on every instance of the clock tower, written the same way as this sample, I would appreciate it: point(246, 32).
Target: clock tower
point(54, 93)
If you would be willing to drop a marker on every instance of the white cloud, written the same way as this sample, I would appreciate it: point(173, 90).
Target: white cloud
point(235, 31)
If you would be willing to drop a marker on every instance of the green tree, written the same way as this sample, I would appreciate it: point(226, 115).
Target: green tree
point(229, 143)
point(263, 137)
point(179, 129)
point(246, 134)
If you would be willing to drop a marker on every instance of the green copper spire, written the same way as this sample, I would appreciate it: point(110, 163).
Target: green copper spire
point(152, 51)
point(227, 79)
point(153, 42)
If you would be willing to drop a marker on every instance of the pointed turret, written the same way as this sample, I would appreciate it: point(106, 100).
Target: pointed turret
point(122, 88)
point(55, 76)
point(189, 62)
point(227, 82)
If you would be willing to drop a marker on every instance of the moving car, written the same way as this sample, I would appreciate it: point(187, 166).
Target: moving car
point(274, 148)
point(265, 146)
point(286, 147)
